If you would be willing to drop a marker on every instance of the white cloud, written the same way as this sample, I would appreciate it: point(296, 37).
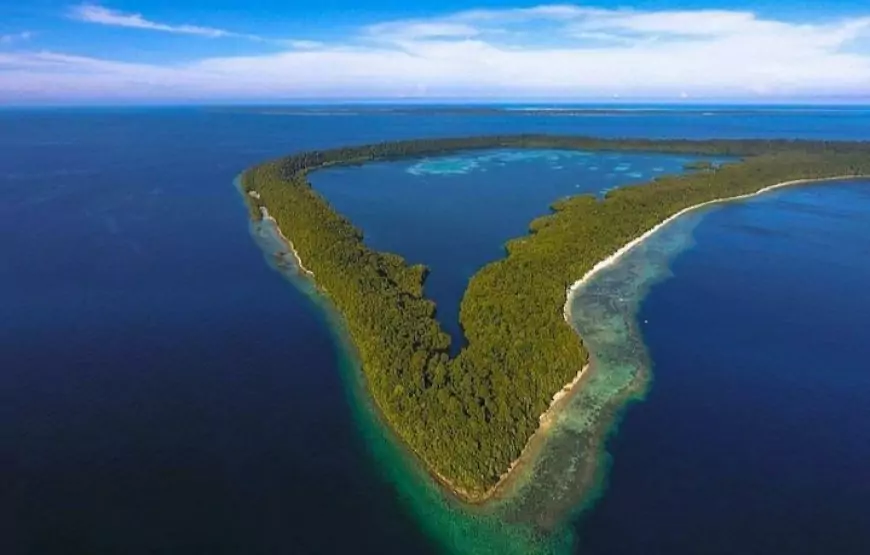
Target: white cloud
point(680, 23)
point(16, 37)
point(94, 13)
point(555, 50)
point(551, 12)
point(303, 44)
point(420, 30)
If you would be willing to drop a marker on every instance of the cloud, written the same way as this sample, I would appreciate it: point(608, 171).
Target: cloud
point(94, 13)
point(710, 23)
point(298, 44)
point(558, 51)
point(16, 37)
point(420, 30)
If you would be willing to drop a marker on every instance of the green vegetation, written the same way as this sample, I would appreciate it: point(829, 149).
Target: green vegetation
point(469, 416)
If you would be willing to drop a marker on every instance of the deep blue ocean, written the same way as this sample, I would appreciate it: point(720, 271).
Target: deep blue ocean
point(163, 390)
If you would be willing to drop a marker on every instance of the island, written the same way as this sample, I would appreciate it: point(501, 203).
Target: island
point(469, 417)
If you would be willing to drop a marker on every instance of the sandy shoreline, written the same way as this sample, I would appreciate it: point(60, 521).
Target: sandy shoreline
point(548, 416)
point(574, 289)
point(288, 242)
point(544, 422)
point(613, 258)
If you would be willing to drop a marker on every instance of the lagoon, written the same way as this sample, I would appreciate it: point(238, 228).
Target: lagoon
point(455, 213)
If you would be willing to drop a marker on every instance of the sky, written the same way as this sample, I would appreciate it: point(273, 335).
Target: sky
point(180, 51)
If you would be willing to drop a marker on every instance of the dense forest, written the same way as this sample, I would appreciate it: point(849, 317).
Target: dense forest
point(469, 417)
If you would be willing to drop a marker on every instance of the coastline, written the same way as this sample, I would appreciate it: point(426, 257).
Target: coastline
point(558, 399)
point(573, 289)
point(545, 420)
point(568, 389)
point(266, 216)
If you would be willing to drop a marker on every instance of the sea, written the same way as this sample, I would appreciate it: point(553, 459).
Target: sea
point(163, 389)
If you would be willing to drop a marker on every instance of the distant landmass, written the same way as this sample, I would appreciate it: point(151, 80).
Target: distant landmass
point(533, 110)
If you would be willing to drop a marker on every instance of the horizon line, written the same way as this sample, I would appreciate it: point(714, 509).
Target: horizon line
point(457, 102)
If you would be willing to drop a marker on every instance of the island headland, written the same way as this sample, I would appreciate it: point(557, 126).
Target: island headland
point(470, 417)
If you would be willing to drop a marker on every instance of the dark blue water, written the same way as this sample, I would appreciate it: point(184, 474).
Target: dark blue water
point(455, 213)
point(754, 437)
point(162, 389)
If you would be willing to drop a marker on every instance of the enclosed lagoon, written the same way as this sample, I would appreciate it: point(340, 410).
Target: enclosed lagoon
point(455, 213)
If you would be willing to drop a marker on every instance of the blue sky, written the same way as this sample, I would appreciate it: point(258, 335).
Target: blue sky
point(284, 50)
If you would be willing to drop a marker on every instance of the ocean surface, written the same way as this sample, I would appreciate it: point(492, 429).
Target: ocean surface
point(163, 389)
